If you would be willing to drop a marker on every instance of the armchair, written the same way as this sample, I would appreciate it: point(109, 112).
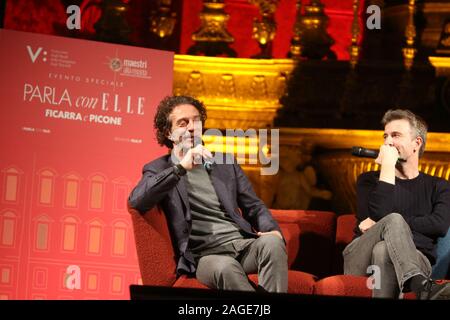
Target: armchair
point(156, 254)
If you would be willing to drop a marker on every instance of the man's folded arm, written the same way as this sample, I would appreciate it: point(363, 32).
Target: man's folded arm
point(375, 198)
point(152, 188)
point(437, 223)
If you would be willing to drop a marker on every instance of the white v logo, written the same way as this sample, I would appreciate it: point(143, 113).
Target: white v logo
point(34, 56)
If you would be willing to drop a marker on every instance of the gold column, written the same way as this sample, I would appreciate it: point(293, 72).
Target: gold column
point(354, 48)
point(212, 38)
point(444, 42)
point(409, 52)
point(296, 47)
point(163, 21)
point(265, 29)
point(351, 78)
point(313, 39)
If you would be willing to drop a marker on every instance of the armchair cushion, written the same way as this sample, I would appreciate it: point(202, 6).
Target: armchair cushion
point(343, 285)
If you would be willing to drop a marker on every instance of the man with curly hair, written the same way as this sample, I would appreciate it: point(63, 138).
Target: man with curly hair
point(220, 229)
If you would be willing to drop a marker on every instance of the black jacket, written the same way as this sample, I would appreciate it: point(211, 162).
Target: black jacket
point(160, 186)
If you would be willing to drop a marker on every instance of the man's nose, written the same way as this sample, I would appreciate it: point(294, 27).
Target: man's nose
point(388, 141)
point(190, 126)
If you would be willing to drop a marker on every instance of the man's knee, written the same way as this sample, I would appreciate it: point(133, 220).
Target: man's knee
point(225, 268)
point(271, 243)
point(380, 253)
point(272, 247)
point(216, 265)
point(395, 218)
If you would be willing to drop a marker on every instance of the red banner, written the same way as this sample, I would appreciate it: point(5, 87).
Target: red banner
point(76, 129)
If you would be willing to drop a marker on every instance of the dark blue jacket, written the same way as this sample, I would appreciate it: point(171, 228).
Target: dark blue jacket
point(160, 186)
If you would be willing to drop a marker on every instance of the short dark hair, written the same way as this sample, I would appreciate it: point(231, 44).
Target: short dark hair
point(418, 125)
point(162, 123)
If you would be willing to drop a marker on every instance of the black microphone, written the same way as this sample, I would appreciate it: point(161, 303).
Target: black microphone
point(369, 153)
point(363, 152)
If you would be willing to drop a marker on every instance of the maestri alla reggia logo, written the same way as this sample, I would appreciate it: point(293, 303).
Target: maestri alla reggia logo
point(130, 67)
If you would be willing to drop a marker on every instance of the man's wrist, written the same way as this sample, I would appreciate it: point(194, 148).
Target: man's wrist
point(179, 170)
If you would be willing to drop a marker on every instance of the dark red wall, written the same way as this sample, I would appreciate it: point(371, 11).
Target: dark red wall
point(49, 17)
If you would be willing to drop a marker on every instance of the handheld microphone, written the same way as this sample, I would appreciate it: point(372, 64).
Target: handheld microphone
point(369, 153)
point(363, 152)
point(207, 163)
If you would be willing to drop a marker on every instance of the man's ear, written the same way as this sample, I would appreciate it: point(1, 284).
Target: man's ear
point(419, 142)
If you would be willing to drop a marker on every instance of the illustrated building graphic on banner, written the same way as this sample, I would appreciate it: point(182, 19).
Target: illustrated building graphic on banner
point(76, 129)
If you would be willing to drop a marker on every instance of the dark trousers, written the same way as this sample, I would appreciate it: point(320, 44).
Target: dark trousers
point(265, 255)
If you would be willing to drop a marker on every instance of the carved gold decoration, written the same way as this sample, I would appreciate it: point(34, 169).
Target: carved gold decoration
point(409, 52)
point(163, 21)
point(238, 93)
point(444, 42)
point(354, 48)
point(212, 38)
point(442, 65)
point(314, 40)
point(295, 50)
point(227, 87)
point(264, 30)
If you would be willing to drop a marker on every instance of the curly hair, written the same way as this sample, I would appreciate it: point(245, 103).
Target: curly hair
point(161, 122)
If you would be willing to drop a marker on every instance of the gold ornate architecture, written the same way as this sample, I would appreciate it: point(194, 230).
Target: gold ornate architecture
point(409, 52)
point(311, 33)
point(264, 30)
point(354, 48)
point(244, 93)
point(239, 93)
point(442, 65)
point(212, 38)
point(444, 41)
point(295, 49)
point(441, 62)
point(163, 21)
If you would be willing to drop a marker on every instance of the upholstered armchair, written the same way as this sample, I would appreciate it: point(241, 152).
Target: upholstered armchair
point(157, 257)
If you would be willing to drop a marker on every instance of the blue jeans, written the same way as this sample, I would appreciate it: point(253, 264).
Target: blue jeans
point(442, 266)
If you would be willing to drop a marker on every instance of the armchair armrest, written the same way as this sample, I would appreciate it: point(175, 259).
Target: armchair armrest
point(291, 233)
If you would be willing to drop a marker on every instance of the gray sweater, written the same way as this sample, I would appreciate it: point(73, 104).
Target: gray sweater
point(212, 229)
